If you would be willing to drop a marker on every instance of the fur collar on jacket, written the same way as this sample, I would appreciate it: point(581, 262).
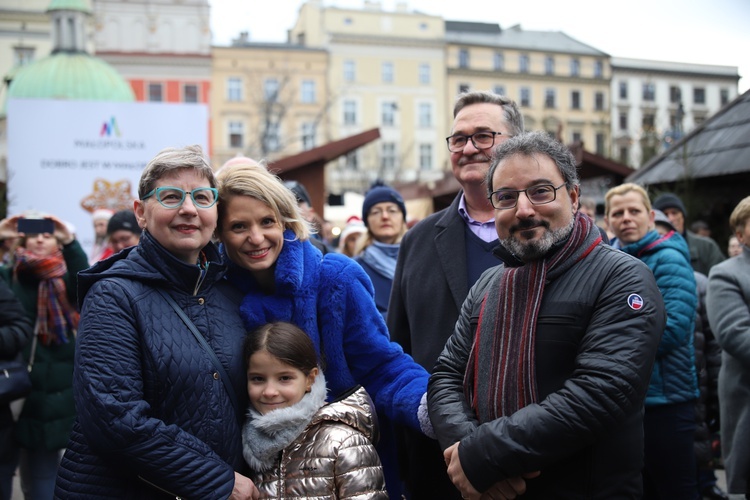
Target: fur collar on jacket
point(264, 436)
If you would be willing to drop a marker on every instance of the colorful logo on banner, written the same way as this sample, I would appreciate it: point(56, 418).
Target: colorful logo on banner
point(109, 128)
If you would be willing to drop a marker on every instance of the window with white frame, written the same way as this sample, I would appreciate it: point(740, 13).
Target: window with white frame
point(623, 90)
point(600, 143)
point(549, 65)
point(236, 134)
point(623, 121)
point(649, 92)
point(388, 114)
point(234, 89)
point(425, 114)
point(386, 70)
point(350, 71)
point(308, 135)
point(549, 98)
point(599, 101)
point(351, 162)
point(307, 91)
point(525, 97)
point(575, 99)
point(463, 87)
point(523, 63)
point(271, 89)
point(498, 89)
point(463, 58)
point(498, 61)
point(598, 69)
point(350, 112)
point(424, 74)
point(388, 155)
point(575, 67)
point(272, 139)
point(699, 95)
point(425, 157)
point(190, 93)
point(723, 96)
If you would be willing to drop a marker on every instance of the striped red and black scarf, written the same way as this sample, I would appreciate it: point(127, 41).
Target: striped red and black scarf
point(504, 342)
point(55, 317)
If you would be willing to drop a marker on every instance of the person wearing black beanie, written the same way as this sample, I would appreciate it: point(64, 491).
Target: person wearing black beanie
point(123, 230)
point(704, 252)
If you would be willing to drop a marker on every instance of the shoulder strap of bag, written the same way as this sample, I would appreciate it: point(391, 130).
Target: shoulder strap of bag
point(202, 341)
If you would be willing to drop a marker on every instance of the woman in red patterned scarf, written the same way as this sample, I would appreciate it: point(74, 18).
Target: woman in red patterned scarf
point(42, 274)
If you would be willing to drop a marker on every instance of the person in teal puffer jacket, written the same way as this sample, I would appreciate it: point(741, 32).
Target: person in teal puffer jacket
point(669, 420)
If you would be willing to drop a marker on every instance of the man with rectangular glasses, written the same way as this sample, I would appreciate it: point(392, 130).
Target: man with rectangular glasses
point(539, 391)
point(440, 259)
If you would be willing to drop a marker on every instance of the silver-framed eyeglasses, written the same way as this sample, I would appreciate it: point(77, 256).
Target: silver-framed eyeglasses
point(481, 140)
point(173, 197)
point(541, 194)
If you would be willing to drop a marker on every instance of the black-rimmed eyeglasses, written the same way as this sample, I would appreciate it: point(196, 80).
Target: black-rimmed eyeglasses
point(173, 197)
point(481, 140)
point(504, 199)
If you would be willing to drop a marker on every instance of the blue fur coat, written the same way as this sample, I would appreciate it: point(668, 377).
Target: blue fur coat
point(331, 298)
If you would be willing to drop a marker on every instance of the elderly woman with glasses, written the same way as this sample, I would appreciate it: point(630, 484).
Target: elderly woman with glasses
point(159, 379)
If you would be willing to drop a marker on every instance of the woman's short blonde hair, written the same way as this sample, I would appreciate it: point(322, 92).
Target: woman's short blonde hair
point(254, 180)
point(622, 189)
point(740, 214)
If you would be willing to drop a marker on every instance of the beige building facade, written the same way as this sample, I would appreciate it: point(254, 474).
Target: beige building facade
point(387, 71)
point(561, 85)
point(268, 100)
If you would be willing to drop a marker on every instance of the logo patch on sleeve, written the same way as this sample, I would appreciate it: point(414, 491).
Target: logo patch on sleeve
point(635, 301)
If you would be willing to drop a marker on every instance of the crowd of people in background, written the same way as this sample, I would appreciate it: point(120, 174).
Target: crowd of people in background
point(217, 341)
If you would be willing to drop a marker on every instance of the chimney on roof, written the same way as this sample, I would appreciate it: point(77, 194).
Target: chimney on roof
point(402, 6)
point(373, 5)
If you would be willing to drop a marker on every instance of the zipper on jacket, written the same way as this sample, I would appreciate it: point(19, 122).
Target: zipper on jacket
point(201, 277)
point(159, 488)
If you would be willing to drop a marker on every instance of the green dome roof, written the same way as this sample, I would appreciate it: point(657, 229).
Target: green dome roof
point(82, 5)
point(76, 76)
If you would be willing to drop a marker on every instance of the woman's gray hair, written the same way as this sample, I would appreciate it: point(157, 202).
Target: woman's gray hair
point(531, 144)
point(512, 115)
point(170, 159)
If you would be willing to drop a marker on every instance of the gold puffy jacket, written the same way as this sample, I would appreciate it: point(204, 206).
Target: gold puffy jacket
point(334, 457)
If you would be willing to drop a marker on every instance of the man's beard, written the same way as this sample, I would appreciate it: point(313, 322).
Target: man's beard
point(527, 251)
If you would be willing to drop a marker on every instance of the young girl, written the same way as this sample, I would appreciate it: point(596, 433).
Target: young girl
point(296, 444)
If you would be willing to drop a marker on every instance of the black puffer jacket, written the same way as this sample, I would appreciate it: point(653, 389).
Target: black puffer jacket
point(150, 407)
point(593, 357)
point(707, 366)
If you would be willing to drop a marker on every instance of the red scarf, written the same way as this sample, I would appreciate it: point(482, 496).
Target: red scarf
point(504, 341)
point(54, 314)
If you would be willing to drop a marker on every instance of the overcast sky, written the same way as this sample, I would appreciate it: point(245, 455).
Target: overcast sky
point(692, 31)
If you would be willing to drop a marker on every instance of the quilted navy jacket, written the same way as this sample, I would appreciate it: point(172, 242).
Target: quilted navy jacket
point(153, 417)
point(673, 379)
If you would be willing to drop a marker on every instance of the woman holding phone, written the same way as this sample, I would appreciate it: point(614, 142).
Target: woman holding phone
point(42, 274)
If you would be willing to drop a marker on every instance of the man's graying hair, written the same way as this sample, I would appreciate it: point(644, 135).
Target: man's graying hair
point(531, 144)
point(513, 116)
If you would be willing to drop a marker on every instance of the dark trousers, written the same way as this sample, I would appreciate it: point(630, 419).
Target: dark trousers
point(669, 472)
point(425, 473)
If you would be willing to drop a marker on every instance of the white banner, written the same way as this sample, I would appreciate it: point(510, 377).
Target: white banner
point(69, 158)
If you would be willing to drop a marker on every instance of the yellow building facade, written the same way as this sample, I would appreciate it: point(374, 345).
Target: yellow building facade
point(386, 71)
point(268, 100)
point(561, 85)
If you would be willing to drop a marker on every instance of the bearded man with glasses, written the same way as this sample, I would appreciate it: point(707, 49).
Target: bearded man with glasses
point(540, 390)
point(440, 259)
